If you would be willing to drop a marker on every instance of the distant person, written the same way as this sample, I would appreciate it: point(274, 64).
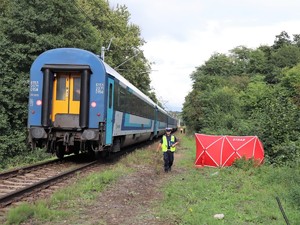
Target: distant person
point(167, 145)
point(181, 130)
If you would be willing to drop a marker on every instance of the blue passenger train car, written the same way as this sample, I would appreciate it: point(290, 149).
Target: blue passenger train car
point(78, 103)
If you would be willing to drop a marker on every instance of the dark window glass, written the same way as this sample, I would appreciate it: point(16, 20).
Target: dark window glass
point(122, 100)
point(161, 117)
point(110, 96)
point(76, 89)
point(130, 103)
point(116, 97)
point(61, 88)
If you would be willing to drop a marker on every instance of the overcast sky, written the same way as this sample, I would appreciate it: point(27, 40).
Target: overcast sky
point(182, 34)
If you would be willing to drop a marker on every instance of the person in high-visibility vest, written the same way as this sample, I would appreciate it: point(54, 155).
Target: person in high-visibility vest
point(167, 145)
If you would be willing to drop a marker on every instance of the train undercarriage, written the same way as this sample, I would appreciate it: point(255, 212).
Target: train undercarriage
point(89, 141)
point(66, 141)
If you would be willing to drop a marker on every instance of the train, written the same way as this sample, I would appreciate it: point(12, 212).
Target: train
point(79, 104)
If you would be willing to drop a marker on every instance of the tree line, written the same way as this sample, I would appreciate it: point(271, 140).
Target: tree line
point(251, 92)
point(245, 92)
point(30, 27)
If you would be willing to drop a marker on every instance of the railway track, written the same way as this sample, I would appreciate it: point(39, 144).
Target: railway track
point(27, 184)
point(17, 184)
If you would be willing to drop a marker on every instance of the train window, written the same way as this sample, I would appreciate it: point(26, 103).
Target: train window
point(136, 105)
point(61, 88)
point(116, 97)
point(162, 117)
point(130, 103)
point(110, 96)
point(122, 99)
point(127, 102)
point(76, 89)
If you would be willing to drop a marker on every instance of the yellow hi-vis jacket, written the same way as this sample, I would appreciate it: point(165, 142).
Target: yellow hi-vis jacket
point(164, 146)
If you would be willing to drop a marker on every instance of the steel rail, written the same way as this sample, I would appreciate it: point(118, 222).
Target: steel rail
point(18, 194)
point(13, 172)
point(20, 170)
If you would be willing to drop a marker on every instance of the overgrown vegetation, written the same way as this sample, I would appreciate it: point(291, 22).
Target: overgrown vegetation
point(25, 158)
point(247, 92)
point(28, 28)
point(251, 92)
point(245, 193)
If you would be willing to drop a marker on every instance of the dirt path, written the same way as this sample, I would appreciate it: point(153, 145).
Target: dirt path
point(132, 199)
point(129, 201)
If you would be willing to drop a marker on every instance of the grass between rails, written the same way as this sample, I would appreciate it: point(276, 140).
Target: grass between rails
point(244, 195)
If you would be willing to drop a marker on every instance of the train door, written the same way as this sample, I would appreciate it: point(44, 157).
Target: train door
point(109, 119)
point(66, 94)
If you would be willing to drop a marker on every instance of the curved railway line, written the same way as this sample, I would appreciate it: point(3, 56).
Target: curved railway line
point(40, 181)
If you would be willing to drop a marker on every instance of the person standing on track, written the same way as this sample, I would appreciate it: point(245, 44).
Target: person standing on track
point(167, 145)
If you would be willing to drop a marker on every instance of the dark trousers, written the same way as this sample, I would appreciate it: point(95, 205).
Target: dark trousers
point(168, 160)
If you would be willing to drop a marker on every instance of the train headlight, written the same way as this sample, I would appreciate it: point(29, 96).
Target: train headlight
point(38, 132)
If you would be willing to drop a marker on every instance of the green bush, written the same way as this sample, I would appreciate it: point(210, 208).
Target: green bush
point(24, 158)
point(245, 164)
point(287, 153)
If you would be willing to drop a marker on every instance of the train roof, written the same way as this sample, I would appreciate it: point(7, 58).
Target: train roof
point(119, 77)
point(78, 56)
point(115, 74)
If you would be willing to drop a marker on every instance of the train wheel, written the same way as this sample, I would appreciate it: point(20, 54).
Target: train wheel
point(50, 146)
point(90, 154)
point(97, 155)
point(60, 151)
point(76, 151)
point(105, 154)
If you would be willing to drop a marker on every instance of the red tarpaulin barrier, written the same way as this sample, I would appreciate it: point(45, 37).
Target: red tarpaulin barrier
point(219, 151)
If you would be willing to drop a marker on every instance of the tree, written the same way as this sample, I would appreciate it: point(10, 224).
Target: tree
point(277, 122)
point(251, 92)
point(281, 40)
point(286, 56)
point(31, 27)
point(258, 62)
point(290, 81)
point(217, 65)
point(192, 111)
point(240, 57)
point(27, 29)
point(125, 52)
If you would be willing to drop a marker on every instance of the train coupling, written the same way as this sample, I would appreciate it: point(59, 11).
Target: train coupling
point(68, 141)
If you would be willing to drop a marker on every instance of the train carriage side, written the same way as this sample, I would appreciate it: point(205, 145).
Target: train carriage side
point(134, 113)
point(172, 123)
point(161, 120)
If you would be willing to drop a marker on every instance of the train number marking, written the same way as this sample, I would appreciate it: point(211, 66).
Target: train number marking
point(34, 85)
point(99, 88)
